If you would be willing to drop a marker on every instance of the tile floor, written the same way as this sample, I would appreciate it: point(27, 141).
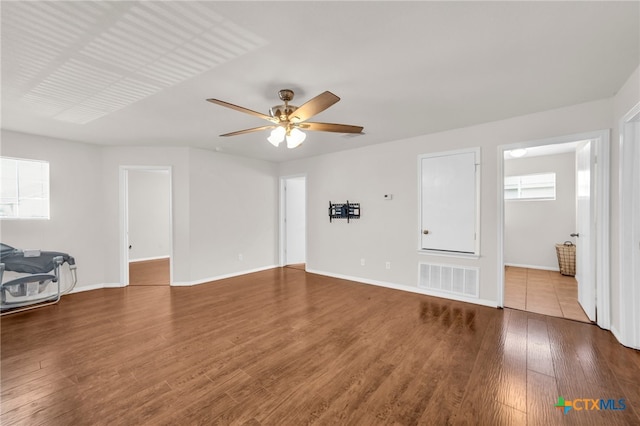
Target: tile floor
point(543, 292)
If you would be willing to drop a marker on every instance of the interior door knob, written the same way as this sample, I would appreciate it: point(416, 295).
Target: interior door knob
point(575, 234)
point(425, 232)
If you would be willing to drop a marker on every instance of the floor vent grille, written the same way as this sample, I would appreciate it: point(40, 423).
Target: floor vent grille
point(463, 281)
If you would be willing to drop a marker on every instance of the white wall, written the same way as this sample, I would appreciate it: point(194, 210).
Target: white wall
point(222, 206)
point(388, 230)
point(149, 214)
point(112, 160)
point(532, 228)
point(233, 212)
point(77, 216)
point(85, 201)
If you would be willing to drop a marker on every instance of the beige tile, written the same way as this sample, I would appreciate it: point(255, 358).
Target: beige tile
point(543, 292)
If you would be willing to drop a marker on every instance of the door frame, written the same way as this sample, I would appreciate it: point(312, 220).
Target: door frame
point(601, 239)
point(629, 332)
point(124, 219)
point(282, 216)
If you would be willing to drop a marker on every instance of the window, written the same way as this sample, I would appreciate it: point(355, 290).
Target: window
point(540, 186)
point(24, 189)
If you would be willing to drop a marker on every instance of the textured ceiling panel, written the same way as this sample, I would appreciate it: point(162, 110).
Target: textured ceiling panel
point(133, 70)
point(78, 61)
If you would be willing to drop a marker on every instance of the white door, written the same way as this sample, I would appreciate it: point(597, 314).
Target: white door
point(585, 245)
point(295, 221)
point(449, 202)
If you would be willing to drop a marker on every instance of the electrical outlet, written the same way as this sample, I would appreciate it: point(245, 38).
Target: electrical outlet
point(362, 262)
point(240, 257)
point(388, 265)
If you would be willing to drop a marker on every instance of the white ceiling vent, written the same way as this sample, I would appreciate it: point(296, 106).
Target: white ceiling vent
point(463, 281)
point(78, 61)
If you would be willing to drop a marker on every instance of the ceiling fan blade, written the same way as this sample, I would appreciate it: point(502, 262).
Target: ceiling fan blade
point(242, 109)
point(313, 106)
point(331, 127)
point(255, 129)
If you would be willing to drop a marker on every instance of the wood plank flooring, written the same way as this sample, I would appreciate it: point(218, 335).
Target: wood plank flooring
point(150, 272)
point(543, 292)
point(285, 347)
point(300, 266)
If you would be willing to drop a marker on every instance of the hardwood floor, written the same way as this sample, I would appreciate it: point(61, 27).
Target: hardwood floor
point(150, 272)
point(300, 266)
point(543, 292)
point(285, 347)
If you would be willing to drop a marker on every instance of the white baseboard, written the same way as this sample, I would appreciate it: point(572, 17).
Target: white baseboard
point(483, 302)
point(113, 285)
point(544, 268)
point(368, 281)
point(621, 339)
point(78, 289)
point(146, 259)
point(221, 277)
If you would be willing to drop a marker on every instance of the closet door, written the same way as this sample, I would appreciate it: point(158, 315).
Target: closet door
point(449, 201)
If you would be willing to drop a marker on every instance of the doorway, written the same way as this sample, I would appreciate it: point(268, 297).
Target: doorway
point(293, 221)
point(540, 212)
point(146, 226)
point(538, 270)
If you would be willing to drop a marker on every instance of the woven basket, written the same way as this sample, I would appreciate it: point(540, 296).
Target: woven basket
point(567, 258)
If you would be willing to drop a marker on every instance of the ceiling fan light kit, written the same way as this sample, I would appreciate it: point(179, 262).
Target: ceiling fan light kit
point(277, 136)
point(289, 119)
point(295, 138)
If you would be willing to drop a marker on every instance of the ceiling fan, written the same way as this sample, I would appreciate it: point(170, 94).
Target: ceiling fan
point(288, 120)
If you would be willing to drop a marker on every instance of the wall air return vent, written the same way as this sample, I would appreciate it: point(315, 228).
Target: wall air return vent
point(463, 281)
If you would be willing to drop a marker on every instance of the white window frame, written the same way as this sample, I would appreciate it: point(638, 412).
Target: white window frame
point(520, 188)
point(44, 196)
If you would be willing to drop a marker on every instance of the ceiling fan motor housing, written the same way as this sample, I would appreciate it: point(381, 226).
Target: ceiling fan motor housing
point(282, 111)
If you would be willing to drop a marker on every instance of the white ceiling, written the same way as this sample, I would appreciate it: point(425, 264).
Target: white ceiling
point(138, 73)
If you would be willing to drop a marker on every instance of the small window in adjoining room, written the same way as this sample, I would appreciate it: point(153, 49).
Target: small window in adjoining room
point(539, 186)
point(24, 189)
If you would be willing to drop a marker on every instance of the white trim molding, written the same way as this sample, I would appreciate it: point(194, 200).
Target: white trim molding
point(602, 279)
point(282, 227)
point(123, 176)
point(80, 289)
point(147, 259)
point(425, 292)
point(542, 268)
point(222, 277)
point(628, 265)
